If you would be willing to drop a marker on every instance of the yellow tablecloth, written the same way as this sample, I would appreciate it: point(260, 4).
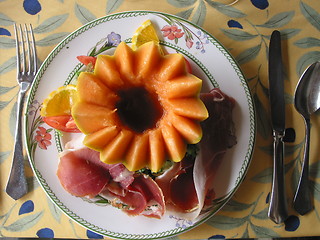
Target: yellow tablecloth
point(244, 29)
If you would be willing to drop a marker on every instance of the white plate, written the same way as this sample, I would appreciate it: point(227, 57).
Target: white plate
point(210, 61)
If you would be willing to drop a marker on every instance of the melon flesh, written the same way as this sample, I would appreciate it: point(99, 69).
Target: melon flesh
point(99, 139)
point(189, 129)
point(137, 155)
point(147, 60)
point(106, 70)
point(114, 152)
point(175, 145)
point(157, 150)
point(189, 108)
point(172, 66)
point(124, 59)
point(186, 86)
point(90, 118)
point(140, 108)
point(102, 95)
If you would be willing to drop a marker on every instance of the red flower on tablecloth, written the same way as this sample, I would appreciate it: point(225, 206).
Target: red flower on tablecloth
point(43, 138)
point(172, 32)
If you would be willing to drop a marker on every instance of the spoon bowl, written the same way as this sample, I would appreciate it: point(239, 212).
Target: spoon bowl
point(307, 102)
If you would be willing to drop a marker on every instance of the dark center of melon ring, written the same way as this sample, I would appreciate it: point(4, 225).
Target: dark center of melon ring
point(138, 109)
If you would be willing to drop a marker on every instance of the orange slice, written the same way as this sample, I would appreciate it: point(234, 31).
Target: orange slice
point(145, 33)
point(59, 102)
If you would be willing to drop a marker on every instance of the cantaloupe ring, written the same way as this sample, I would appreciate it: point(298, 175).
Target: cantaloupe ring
point(139, 107)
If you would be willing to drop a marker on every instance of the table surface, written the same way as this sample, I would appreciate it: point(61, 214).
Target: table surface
point(244, 29)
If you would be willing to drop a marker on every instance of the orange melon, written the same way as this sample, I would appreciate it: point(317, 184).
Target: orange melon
point(139, 107)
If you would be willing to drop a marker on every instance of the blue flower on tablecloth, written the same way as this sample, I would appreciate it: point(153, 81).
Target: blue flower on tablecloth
point(292, 223)
point(4, 32)
point(217, 237)
point(26, 207)
point(234, 24)
point(93, 235)
point(45, 233)
point(114, 39)
point(32, 6)
point(261, 4)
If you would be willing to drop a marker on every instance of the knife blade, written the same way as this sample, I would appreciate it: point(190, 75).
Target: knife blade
point(278, 202)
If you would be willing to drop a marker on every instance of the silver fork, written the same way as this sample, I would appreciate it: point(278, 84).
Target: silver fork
point(26, 71)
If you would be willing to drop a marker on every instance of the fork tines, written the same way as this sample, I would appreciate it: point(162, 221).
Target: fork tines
point(26, 49)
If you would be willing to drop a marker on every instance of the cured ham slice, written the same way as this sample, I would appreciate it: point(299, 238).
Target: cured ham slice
point(152, 193)
point(178, 187)
point(121, 174)
point(82, 174)
point(186, 185)
point(142, 197)
point(79, 175)
point(219, 135)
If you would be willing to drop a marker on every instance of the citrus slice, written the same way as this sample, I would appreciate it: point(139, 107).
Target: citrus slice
point(59, 102)
point(145, 33)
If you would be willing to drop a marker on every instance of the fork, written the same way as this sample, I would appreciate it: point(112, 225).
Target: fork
point(26, 71)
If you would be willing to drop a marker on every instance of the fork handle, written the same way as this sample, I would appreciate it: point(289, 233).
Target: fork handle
point(17, 184)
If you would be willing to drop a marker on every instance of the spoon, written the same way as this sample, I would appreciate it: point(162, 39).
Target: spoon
point(306, 101)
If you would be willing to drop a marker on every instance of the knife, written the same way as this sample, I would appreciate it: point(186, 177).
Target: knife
point(278, 202)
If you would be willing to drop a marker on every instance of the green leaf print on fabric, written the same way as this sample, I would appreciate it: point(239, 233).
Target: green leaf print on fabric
point(311, 15)
point(51, 24)
point(263, 231)
point(263, 118)
point(226, 10)
point(226, 222)
point(289, 33)
point(24, 223)
point(8, 65)
point(6, 42)
point(307, 59)
point(263, 176)
point(83, 14)
point(248, 54)
point(238, 35)
point(113, 5)
point(4, 156)
point(182, 3)
point(278, 20)
point(308, 42)
point(235, 206)
point(200, 14)
point(52, 39)
point(5, 20)
point(4, 90)
point(185, 14)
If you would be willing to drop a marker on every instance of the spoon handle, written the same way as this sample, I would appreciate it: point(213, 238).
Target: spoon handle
point(302, 202)
point(278, 202)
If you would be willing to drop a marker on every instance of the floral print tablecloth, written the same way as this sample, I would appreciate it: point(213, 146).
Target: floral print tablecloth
point(244, 29)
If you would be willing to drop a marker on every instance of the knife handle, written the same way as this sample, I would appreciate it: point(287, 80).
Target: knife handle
point(278, 211)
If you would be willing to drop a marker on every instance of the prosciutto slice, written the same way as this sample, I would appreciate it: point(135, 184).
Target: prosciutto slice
point(187, 186)
point(79, 175)
point(82, 174)
point(152, 193)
